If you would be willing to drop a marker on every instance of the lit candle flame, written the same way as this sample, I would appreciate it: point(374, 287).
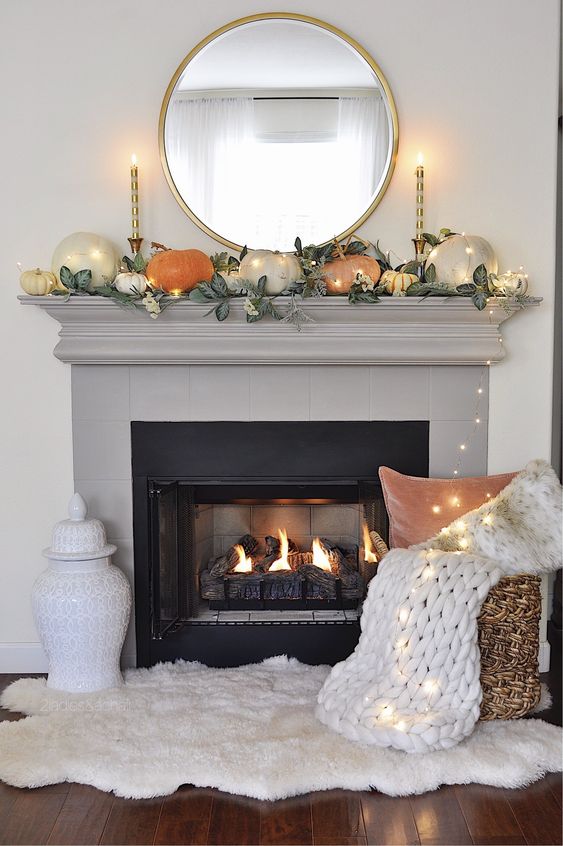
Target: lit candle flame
point(369, 555)
point(420, 160)
point(320, 557)
point(281, 563)
point(244, 563)
point(133, 160)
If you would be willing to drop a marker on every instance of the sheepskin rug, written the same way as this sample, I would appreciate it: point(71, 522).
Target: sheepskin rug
point(248, 730)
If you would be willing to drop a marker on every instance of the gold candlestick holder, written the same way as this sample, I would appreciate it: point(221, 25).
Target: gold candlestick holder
point(419, 244)
point(135, 245)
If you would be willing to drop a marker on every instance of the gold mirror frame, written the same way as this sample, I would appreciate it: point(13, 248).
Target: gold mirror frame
point(263, 17)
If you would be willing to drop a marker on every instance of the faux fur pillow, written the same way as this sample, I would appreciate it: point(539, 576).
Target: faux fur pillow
point(520, 528)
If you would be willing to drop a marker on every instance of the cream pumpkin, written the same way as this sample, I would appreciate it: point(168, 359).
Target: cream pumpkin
point(340, 273)
point(38, 282)
point(397, 283)
point(131, 283)
point(280, 269)
point(87, 251)
point(458, 256)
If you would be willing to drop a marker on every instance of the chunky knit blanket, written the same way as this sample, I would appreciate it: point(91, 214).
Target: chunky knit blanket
point(413, 682)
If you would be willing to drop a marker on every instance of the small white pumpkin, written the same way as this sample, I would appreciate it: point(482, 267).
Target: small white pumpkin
point(511, 284)
point(131, 283)
point(280, 269)
point(396, 283)
point(456, 258)
point(38, 282)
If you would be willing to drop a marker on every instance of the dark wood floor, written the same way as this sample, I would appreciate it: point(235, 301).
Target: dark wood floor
point(78, 814)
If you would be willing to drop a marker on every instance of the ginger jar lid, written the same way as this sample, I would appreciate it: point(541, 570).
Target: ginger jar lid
point(79, 539)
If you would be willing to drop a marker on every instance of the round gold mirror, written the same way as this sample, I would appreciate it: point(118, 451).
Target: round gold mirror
point(276, 126)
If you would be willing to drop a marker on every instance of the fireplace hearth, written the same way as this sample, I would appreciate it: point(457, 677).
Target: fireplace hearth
point(252, 539)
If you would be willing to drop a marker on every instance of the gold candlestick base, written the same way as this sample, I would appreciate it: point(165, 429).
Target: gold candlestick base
point(135, 245)
point(419, 244)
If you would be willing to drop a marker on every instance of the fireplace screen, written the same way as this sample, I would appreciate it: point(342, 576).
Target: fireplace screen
point(260, 548)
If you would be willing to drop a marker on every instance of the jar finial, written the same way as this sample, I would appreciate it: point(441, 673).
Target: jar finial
point(77, 508)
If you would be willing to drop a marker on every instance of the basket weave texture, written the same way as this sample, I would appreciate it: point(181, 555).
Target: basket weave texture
point(509, 642)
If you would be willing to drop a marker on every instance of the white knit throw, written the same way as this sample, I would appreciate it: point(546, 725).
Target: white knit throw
point(413, 681)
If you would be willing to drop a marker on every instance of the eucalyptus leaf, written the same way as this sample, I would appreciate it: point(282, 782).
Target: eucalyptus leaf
point(275, 312)
point(479, 300)
point(128, 263)
point(298, 246)
point(430, 274)
point(411, 267)
point(67, 278)
point(480, 275)
point(355, 248)
point(219, 286)
point(82, 279)
point(380, 256)
point(139, 263)
point(197, 296)
point(222, 310)
point(243, 252)
point(261, 285)
point(430, 239)
point(466, 288)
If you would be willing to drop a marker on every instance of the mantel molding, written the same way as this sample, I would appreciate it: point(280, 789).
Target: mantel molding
point(402, 330)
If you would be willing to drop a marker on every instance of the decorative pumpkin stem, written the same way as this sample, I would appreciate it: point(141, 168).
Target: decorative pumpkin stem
point(156, 246)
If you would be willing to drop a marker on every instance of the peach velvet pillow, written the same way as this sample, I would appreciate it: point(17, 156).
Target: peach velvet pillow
point(412, 502)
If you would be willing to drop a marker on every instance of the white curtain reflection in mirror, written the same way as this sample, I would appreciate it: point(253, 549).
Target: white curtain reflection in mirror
point(263, 171)
point(202, 134)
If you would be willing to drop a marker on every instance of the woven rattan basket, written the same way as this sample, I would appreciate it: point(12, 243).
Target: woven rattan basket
point(508, 631)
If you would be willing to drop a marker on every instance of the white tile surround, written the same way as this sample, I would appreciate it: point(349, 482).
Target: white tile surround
point(106, 398)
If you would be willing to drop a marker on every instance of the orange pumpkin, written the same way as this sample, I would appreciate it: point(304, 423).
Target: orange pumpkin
point(340, 273)
point(179, 271)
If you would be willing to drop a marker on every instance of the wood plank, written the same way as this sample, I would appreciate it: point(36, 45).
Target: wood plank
point(82, 817)
point(337, 814)
point(132, 821)
point(288, 821)
point(439, 819)
point(389, 820)
point(556, 786)
point(29, 816)
point(234, 820)
point(537, 813)
point(342, 841)
point(488, 815)
point(185, 817)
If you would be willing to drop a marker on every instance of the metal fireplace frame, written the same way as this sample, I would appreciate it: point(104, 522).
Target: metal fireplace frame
point(224, 458)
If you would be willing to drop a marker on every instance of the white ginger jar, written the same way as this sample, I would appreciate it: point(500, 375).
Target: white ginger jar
point(81, 605)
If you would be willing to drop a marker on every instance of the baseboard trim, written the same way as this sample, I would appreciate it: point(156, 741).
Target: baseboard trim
point(544, 656)
point(30, 658)
point(22, 658)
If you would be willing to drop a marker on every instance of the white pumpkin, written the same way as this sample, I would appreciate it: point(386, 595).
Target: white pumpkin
point(131, 283)
point(85, 250)
point(280, 269)
point(456, 258)
point(511, 284)
point(37, 282)
point(396, 283)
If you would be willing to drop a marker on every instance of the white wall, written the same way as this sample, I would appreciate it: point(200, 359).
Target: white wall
point(81, 87)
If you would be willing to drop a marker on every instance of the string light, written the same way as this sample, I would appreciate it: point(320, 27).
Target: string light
point(464, 543)
point(462, 446)
point(436, 509)
point(488, 519)
point(401, 725)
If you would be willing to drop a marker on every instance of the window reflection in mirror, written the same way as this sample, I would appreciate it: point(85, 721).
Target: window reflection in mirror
point(278, 128)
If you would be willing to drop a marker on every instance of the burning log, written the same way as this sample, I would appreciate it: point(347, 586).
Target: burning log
point(285, 584)
point(242, 586)
point(227, 563)
point(322, 582)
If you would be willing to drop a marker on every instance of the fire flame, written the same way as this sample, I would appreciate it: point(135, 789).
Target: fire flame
point(244, 564)
point(369, 555)
point(281, 563)
point(320, 557)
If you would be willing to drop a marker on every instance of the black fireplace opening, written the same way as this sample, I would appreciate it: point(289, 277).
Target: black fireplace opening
point(253, 539)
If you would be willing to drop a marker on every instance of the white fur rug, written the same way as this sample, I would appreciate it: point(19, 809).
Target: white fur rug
point(248, 730)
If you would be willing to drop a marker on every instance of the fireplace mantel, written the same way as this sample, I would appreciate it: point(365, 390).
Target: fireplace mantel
point(395, 331)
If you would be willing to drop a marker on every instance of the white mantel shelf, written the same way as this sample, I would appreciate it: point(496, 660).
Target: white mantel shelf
point(402, 330)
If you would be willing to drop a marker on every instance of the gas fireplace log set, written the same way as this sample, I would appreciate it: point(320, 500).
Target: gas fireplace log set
point(280, 572)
